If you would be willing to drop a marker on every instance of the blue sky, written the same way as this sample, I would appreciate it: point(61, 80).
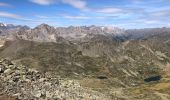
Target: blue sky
point(121, 13)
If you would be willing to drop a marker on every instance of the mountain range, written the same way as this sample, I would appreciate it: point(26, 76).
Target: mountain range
point(46, 33)
point(117, 60)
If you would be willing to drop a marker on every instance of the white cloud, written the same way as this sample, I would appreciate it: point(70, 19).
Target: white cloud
point(9, 15)
point(66, 16)
point(80, 4)
point(151, 22)
point(44, 17)
point(4, 4)
point(162, 13)
point(76, 17)
point(110, 10)
point(43, 2)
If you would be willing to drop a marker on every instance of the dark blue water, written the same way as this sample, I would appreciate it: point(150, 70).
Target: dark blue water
point(102, 77)
point(153, 78)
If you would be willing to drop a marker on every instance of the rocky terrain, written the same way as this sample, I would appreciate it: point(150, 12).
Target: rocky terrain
point(22, 83)
point(98, 62)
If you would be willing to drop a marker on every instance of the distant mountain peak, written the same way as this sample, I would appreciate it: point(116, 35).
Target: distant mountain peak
point(11, 26)
point(2, 24)
point(43, 25)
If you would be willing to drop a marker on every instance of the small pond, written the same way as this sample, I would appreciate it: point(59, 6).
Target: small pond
point(153, 78)
point(102, 77)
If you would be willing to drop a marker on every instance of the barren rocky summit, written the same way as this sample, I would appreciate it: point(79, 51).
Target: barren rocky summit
point(22, 83)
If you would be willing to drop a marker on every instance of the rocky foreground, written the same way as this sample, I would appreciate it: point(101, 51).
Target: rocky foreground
point(22, 83)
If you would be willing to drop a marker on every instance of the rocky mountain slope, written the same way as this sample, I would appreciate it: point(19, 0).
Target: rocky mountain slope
point(22, 83)
point(118, 61)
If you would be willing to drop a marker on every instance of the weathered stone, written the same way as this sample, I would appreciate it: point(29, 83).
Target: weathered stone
point(37, 94)
point(42, 79)
point(7, 62)
point(32, 70)
point(49, 95)
point(2, 68)
point(16, 78)
point(8, 71)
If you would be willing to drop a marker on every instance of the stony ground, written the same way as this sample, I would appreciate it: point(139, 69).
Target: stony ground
point(21, 83)
point(18, 82)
